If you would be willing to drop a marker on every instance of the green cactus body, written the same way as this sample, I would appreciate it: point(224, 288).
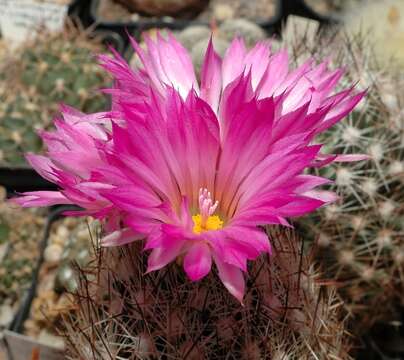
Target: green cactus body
point(51, 69)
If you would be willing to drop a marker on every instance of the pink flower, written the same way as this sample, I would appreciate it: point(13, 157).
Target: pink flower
point(75, 161)
point(195, 169)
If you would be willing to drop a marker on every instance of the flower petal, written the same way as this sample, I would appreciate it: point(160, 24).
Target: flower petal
point(120, 237)
point(162, 256)
point(41, 198)
point(232, 278)
point(211, 78)
point(198, 261)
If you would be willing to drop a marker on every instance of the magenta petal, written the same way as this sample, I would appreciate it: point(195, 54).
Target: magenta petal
point(43, 165)
point(299, 207)
point(325, 196)
point(351, 158)
point(120, 237)
point(211, 78)
point(198, 261)
point(41, 198)
point(162, 256)
point(232, 278)
point(233, 61)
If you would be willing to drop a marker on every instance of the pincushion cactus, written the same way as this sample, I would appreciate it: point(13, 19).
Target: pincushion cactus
point(49, 69)
point(288, 313)
point(361, 236)
point(196, 193)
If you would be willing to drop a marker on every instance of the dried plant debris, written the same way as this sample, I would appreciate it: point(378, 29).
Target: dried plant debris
point(70, 243)
point(50, 69)
point(289, 312)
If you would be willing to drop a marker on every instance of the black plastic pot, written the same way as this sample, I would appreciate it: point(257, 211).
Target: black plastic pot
point(23, 178)
point(136, 27)
point(79, 9)
point(111, 38)
point(284, 8)
point(174, 24)
point(385, 341)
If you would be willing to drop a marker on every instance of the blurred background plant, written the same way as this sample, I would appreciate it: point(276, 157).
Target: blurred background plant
point(34, 79)
point(360, 238)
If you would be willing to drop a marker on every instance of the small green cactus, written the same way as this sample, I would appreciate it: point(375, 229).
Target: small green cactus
point(51, 69)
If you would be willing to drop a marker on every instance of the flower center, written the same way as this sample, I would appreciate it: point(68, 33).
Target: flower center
point(205, 220)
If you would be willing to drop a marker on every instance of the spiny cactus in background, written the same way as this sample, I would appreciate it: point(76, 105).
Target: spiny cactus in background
point(50, 69)
point(361, 236)
point(123, 313)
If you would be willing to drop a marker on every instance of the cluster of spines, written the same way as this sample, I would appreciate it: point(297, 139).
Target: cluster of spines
point(288, 314)
point(361, 236)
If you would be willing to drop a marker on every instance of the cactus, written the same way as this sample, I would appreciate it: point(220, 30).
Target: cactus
point(42, 73)
point(361, 236)
point(123, 313)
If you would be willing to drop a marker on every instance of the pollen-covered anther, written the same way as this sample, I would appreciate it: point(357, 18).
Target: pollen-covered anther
point(205, 220)
point(206, 205)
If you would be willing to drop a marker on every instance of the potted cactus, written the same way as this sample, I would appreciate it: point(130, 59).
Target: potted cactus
point(48, 70)
point(360, 238)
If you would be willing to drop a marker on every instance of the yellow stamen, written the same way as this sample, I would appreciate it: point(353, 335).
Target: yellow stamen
point(212, 223)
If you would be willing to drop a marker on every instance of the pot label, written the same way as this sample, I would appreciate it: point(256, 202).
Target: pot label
point(19, 19)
